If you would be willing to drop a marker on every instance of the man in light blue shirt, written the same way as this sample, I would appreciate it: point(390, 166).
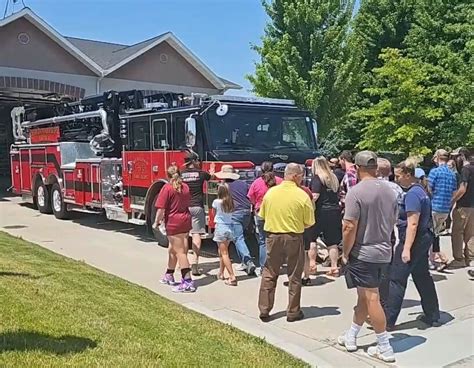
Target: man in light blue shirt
point(442, 183)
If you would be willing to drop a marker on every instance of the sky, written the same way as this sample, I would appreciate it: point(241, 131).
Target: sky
point(219, 32)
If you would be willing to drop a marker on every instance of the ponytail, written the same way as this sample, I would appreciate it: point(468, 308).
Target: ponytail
point(409, 165)
point(175, 178)
point(268, 175)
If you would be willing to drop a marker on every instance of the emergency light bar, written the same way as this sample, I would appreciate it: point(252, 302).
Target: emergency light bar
point(250, 99)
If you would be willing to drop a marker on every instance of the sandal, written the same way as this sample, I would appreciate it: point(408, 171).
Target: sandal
point(334, 272)
point(220, 276)
point(230, 282)
point(442, 266)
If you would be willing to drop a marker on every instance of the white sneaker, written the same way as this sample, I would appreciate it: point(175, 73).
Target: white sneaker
point(385, 356)
point(348, 343)
point(258, 271)
point(241, 267)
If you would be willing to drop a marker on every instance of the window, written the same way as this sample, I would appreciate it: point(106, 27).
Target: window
point(160, 139)
point(295, 132)
point(179, 134)
point(248, 129)
point(140, 134)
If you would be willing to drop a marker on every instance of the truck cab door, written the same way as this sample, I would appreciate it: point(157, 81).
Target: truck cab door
point(137, 162)
point(178, 142)
point(160, 156)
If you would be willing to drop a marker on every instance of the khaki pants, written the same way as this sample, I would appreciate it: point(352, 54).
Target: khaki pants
point(439, 222)
point(439, 225)
point(463, 233)
point(281, 248)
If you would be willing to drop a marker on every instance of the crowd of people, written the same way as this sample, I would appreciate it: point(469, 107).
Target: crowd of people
point(374, 224)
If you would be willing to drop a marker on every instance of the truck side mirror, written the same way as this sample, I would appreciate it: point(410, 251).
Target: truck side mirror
point(315, 129)
point(190, 127)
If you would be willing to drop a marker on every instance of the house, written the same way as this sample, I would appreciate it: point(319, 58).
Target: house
point(38, 65)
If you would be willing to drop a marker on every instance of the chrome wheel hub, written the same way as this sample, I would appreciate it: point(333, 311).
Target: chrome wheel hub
point(40, 196)
point(57, 201)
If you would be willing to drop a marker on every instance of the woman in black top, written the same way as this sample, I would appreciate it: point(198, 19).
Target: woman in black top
point(325, 187)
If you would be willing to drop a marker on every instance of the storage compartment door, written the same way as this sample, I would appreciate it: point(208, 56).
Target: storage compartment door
point(79, 192)
point(25, 170)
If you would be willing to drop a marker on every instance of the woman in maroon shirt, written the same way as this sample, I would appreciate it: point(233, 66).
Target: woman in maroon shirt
point(173, 208)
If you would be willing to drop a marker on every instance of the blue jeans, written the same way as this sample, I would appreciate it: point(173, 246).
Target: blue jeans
point(260, 233)
point(241, 221)
point(419, 269)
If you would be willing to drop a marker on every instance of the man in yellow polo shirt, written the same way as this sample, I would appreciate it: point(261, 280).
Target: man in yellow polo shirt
point(287, 211)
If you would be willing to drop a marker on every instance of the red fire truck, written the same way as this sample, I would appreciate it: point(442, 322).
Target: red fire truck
point(109, 153)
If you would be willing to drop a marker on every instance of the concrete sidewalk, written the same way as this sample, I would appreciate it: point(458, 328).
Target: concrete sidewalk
point(126, 251)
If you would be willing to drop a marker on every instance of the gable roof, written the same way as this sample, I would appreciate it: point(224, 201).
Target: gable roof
point(54, 35)
point(108, 54)
point(104, 58)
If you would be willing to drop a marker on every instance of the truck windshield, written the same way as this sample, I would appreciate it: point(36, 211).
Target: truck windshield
point(261, 129)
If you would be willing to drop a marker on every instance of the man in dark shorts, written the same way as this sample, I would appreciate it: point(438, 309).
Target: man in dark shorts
point(370, 216)
point(194, 177)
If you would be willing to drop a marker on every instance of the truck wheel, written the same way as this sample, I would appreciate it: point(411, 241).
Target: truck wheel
point(159, 233)
point(42, 198)
point(57, 203)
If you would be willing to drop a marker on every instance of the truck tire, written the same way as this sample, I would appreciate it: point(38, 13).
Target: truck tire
point(57, 203)
point(159, 234)
point(42, 197)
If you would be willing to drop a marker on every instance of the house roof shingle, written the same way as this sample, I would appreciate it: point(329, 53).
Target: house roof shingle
point(108, 54)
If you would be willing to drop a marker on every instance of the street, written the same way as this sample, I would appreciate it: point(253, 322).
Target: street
point(126, 251)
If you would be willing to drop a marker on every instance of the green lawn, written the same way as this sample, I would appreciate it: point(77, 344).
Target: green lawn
point(56, 312)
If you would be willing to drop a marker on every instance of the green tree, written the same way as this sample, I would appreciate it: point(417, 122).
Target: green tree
point(424, 95)
point(381, 24)
point(306, 55)
point(378, 24)
point(401, 120)
point(442, 35)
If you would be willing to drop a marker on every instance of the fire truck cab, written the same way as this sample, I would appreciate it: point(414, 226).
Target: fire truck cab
point(110, 153)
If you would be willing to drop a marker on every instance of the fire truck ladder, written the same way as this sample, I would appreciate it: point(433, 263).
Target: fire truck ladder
point(101, 113)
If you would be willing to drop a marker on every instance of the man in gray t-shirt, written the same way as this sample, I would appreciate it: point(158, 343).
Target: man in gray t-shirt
point(371, 212)
point(373, 204)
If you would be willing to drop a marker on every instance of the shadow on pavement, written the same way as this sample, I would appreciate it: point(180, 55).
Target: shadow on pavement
point(445, 317)
point(402, 342)
point(310, 312)
point(15, 227)
point(321, 280)
point(315, 312)
point(100, 222)
point(32, 341)
point(318, 281)
point(437, 277)
point(210, 279)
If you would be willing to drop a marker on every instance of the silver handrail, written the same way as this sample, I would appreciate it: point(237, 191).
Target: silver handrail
point(101, 113)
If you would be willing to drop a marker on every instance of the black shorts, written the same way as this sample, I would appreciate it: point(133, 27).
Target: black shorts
point(364, 274)
point(328, 226)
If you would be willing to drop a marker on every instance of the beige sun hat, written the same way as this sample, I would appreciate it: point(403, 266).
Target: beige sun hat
point(227, 172)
